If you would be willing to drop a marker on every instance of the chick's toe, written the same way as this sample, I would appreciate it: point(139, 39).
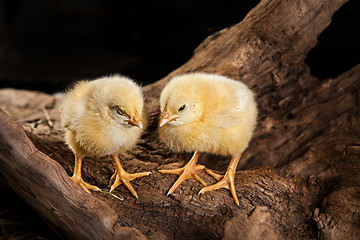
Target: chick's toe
point(213, 174)
point(225, 182)
point(188, 171)
point(84, 185)
point(77, 178)
point(123, 177)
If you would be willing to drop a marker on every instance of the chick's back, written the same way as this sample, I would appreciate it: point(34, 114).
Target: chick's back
point(228, 114)
point(73, 104)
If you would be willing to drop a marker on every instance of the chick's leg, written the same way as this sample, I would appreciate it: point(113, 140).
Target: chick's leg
point(121, 176)
point(227, 181)
point(188, 171)
point(77, 176)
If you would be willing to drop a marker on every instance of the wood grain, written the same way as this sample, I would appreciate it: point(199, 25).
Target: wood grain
point(297, 180)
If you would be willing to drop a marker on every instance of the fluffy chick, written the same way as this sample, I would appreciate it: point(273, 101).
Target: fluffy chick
point(103, 117)
point(207, 113)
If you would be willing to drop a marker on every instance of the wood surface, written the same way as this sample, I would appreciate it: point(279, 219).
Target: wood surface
point(299, 178)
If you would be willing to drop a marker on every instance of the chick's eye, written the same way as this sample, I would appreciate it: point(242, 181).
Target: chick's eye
point(120, 111)
point(181, 108)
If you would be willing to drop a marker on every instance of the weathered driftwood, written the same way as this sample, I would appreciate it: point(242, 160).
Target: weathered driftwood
point(299, 176)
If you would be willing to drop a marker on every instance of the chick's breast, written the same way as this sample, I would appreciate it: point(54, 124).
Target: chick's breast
point(97, 136)
point(227, 121)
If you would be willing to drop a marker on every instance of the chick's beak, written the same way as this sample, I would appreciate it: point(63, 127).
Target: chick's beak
point(165, 118)
point(135, 120)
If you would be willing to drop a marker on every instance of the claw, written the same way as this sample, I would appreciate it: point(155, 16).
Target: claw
point(226, 181)
point(122, 177)
point(77, 176)
point(188, 171)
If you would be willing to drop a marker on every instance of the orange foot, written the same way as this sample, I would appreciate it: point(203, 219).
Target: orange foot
point(188, 171)
point(122, 177)
point(84, 185)
point(226, 181)
point(77, 176)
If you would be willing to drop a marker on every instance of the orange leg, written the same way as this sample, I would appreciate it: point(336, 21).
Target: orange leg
point(77, 176)
point(121, 176)
point(188, 171)
point(227, 181)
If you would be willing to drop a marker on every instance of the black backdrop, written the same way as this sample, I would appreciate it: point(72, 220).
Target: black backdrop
point(46, 44)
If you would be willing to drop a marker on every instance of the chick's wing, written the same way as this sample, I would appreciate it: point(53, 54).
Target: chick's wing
point(232, 108)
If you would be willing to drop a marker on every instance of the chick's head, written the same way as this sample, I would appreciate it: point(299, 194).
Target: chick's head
point(182, 106)
point(120, 100)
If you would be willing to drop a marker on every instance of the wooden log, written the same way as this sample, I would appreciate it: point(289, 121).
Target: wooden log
point(299, 176)
point(45, 186)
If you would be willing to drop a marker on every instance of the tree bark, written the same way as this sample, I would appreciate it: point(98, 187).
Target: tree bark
point(298, 178)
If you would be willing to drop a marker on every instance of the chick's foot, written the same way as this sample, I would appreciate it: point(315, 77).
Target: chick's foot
point(123, 177)
point(214, 175)
point(227, 181)
point(77, 176)
point(188, 171)
point(84, 185)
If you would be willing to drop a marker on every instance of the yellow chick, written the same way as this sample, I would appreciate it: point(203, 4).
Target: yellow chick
point(207, 113)
point(103, 117)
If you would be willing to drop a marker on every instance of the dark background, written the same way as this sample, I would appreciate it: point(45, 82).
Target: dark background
point(47, 44)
